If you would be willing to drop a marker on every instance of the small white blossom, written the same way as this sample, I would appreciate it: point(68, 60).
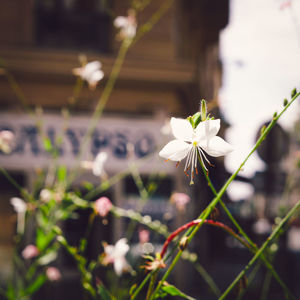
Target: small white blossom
point(189, 142)
point(6, 140)
point(91, 72)
point(127, 26)
point(20, 208)
point(45, 195)
point(116, 254)
point(97, 166)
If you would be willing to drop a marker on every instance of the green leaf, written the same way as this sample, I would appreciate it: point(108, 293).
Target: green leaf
point(47, 144)
point(196, 119)
point(61, 173)
point(37, 284)
point(103, 292)
point(174, 291)
point(43, 239)
point(10, 292)
point(132, 289)
point(87, 185)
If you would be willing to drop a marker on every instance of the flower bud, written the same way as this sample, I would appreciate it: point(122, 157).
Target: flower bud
point(285, 102)
point(53, 274)
point(294, 92)
point(30, 251)
point(214, 215)
point(203, 110)
point(103, 206)
point(183, 243)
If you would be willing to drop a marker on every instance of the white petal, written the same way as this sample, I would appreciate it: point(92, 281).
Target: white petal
point(121, 247)
point(216, 146)
point(182, 129)
point(95, 76)
point(175, 150)
point(18, 204)
point(119, 265)
point(92, 66)
point(98, 165)
point(121, 22)
point(207, 129)
point(109, 250)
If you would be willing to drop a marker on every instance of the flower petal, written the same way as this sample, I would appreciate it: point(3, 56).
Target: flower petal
point(175, 150)
point(182, 129)
point(119, 265)
point(121, 22)
point(92, 66)
point(216, 146)
point(121, 248)
point(207, 129)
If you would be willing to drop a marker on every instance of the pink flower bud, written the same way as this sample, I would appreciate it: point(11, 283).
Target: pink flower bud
point(30, 251)
point(144, 236)
point(180, 200)
point(103, 206)
point(53, 274)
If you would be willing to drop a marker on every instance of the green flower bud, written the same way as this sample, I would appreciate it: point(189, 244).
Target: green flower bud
point(191, 120)
point(196, 119)
point(203, 110)
point(285, 102)
point(294, 92)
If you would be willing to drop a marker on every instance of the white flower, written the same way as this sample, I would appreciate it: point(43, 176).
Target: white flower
point(91, 72)
point(97, 166)
point(20, 207)
point(45, 195)
point(6, 140)
point(116, 254)
point(127, 25)
point(189, 142)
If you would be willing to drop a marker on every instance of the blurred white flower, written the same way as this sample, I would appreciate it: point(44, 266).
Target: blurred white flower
point(90, 72)
point(116, 254)
point(53, 274)
point(97, 166)
point(45, 195)
point(103, 206)
point(127, 25)
point(30, 251)
point(6, 140)
point(20, 208)
point(190, 142)
point(180, 200)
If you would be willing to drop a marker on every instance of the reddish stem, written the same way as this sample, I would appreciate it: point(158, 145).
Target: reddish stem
point(196, 222)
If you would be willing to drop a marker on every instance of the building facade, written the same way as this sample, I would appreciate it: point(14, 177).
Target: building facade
point(165, 73)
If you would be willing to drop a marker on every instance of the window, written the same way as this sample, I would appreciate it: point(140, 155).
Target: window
point(73, 24)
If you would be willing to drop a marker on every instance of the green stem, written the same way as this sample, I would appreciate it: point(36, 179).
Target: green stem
point(204, 215)
point(151, 284)
point(266, 286)
point(102, 102)
point(253, 247)
point(143, 283)
point(260, 251)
